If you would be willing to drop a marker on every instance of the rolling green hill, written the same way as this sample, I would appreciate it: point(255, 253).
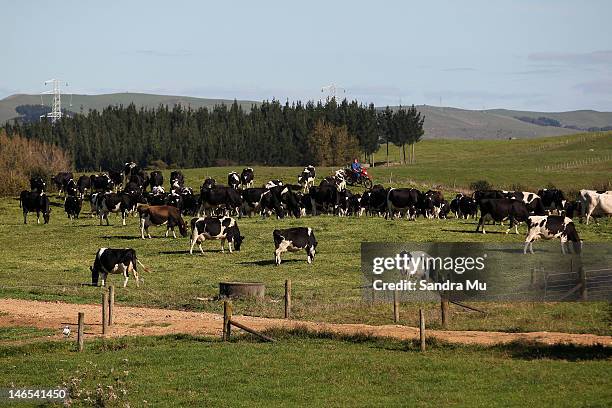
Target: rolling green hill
point(581, 118)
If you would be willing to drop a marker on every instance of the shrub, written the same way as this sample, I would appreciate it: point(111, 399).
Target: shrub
point(481, 185)
point(22, 158)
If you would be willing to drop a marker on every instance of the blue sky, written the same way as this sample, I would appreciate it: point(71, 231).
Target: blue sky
point(534, 55)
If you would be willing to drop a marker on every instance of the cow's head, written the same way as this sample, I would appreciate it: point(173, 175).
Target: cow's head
point(237, 241)
point(94, 275)
point(182, 227)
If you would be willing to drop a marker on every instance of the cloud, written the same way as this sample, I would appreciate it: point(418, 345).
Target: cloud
point(574, 58)
point(595, 87)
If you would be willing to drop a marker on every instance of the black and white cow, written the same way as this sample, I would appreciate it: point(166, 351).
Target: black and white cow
point(37, 184)
point(404, 199)
point(251, 198)
point(307, 178)
point(116, 177)
point(552, 226)
point(233, 180)
point(223, 228)
point(532, 201)
point(115, 203)
point(467, 207)
point(274, 183)
point(294, 239)
point(222, 197)
point(247, 177)
point(71, 188)
point(177, 180)
point(156, 180)
point(375, 200)
point(502, 209)
point(72, 206)
point(553, 199)
point(33, 201)
point(61, 179)
point(110, 260)
point(488, 194)
point(595, 203)
point(208, 183)
point(281, 200)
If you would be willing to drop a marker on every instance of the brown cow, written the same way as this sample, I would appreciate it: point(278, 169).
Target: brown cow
point(159, 215)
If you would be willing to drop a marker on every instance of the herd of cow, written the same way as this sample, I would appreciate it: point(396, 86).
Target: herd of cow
point(548, 214)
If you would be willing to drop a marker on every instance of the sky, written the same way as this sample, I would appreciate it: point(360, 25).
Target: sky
point(528, 55)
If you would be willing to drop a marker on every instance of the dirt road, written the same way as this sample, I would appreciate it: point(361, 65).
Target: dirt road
point(139, 321)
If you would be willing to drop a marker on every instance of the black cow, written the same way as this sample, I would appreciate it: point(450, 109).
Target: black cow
point(156, 179)
point(501, 209)
point(190, 202)
point(116, 203)
point(306, 179)
point(71, 188)
point(294, 239)
point(101, 182)
point(454, 205)
point(355, 206)
point(549, 227)
point(220, 197)
point(404, 199)
point(488, 194)
point(467, 207)
point(129, 169)
point(552, 199)
point(375, 200)
point(72, 206)
point(37, 184)
point(31, 201)
point(61, 179)
point(233, 180)
point(132, 188)
point(223, 228)
point(109, 260)
point(208, 183)
point(326, 197)
point(246, 177)
point(83, 185)
point(116, 177)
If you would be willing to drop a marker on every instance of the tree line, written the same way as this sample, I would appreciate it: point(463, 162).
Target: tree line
point(270, 133)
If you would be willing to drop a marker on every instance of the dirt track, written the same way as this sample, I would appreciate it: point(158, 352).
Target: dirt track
point(137, 321)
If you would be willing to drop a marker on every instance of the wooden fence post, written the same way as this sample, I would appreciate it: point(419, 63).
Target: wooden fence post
point(422, 328)
point(287, 298)
point(81, 326)
point(583, 284)
point(396, 312)
point(104, 311)
point(227, 316)
point(444, 312)
point(111, 304)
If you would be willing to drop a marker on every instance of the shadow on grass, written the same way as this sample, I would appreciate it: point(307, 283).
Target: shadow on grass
point(122, 237)
point(472, 231)
point(569, 352)
point(266, 262)
point(186, 251)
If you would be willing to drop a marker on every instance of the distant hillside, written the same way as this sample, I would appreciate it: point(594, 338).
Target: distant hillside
point(440, 122)
point(99, 102)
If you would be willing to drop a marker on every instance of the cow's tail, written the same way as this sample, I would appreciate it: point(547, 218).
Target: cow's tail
point(143, 266)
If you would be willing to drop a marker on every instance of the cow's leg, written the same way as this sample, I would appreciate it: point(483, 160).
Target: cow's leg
point(309, 254)
point(37, 217)
point(200, 245)
point(229, 245)
point(223, 245)
point(25, 217)
point(277, 256)
point(123, 217)
point(107, 221)
point(563, 241)
point(104, 275)
point(135, 273)
point(142, 228)
point(173, 233)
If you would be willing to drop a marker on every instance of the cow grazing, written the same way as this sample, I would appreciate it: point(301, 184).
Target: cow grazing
point(325, 197)
point(220, 197)
point(375, 200)
point(280, 199)
point(501, 209)
point(61, 179)
point(247, 177)
point(294, 239)
point(549, 227)
point(33, 201)
point(37, 184)
point(251, 198)
point(595, 203)
point(233, 180)
point(109, 260)
point(306, 179)
point(156, 179)
point(222, 228)
point(467, 207)
point(404, 199)
point(160, 215)
point(72, 206)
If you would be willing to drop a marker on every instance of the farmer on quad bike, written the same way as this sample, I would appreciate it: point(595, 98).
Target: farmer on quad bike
point(356, 169)
point(358, 175)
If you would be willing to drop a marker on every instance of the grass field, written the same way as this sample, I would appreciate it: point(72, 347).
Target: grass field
point(301, 370)
point(51, 262)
